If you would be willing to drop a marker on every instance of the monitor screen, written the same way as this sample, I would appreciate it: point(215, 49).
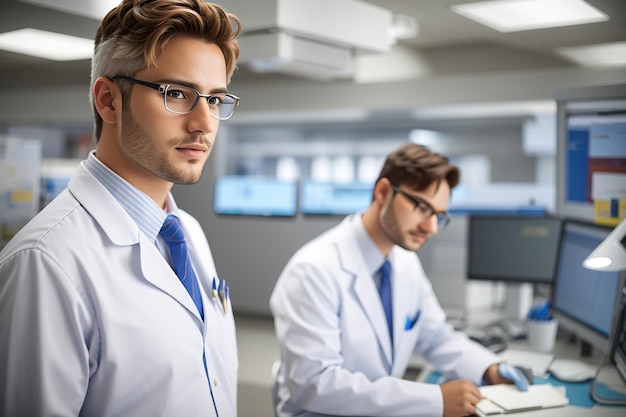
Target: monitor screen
point(585, 301)
point(334, 198)
point(254, 196)
point(513, 248)
point(591, 152)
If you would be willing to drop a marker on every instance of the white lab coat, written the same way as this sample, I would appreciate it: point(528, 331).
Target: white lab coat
point(334, 344)
point(94, 322)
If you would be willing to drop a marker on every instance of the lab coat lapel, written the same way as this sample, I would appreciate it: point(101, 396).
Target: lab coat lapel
point(156, 270)
point(401, 305)
point(367, 295)
point(123, 231)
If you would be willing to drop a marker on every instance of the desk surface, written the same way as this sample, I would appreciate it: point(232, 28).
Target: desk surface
point(578, 394)
point(566, 347)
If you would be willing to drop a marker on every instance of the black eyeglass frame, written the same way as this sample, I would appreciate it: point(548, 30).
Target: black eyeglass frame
point(163, 88)
point(443, 219)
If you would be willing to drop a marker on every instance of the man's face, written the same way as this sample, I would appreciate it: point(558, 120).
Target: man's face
point(158, 143)
point(409, 228)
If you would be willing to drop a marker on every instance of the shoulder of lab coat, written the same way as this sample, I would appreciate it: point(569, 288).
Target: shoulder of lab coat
point(44, 266)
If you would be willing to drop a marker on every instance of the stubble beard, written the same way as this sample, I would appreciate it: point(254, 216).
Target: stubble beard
point(138, 145)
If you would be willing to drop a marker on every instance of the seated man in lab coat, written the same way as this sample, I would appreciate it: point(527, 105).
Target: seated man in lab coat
point(106, 301)
point(341, 353)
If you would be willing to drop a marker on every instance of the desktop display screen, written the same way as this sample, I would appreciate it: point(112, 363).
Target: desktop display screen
point(585, 301)
point(334, 198)
point(591, 151)
point(513, 248)
point(595, 155)
point(255, 196)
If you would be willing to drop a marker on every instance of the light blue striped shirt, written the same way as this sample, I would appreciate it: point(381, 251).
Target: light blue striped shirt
point(141, 208)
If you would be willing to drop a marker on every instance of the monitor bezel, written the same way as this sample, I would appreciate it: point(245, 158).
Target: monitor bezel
point(619, 352)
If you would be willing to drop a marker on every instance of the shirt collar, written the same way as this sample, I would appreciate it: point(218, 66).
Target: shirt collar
point(141, 208)
point(371, 254)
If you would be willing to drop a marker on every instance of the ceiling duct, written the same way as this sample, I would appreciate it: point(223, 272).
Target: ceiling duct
point(316, 39)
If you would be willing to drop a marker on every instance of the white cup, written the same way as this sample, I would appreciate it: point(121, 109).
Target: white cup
point(542, 334)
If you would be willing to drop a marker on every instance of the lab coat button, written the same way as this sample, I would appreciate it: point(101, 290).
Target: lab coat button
point(215, 382)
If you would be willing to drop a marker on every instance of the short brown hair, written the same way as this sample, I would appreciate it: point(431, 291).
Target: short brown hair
point(418, 168)
point(132, 35)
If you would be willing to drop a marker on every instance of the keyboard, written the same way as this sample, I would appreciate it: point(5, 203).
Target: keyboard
point(538, 362)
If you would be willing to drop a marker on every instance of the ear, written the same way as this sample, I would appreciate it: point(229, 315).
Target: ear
point(382, 188)
point(107, 99)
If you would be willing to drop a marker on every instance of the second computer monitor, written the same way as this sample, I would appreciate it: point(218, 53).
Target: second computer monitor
point(521, 249)
point(586, 302)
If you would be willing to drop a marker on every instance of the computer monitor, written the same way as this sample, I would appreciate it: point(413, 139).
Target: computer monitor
point(334, 198)
point(245, 195)
point(585, 302)
point(591, 156)
point(515, 249)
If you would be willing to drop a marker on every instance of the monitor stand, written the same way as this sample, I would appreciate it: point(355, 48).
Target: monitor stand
point(518, 300)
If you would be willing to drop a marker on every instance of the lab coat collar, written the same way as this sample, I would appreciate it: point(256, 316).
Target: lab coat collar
point(103, 207)
point(120, 228)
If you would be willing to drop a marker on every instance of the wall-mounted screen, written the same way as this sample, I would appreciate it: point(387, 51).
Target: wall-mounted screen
point(591, 153)
point(333, 198)
point(255, 196)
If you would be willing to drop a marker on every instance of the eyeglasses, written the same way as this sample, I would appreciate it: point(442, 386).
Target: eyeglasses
point(423, 207)
point(181, 99)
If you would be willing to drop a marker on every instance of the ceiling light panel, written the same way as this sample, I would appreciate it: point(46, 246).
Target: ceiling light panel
point(600, 55)
point(48, 45)
point(517, 15)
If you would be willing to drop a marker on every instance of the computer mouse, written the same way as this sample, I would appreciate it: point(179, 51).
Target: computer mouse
point(568, 370)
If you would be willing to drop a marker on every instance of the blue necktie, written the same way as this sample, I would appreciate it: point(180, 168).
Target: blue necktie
point(385, 294)
point(172, 234)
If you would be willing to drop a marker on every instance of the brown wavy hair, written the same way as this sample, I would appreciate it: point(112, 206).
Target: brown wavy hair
point(133, 34)
point(418, 168)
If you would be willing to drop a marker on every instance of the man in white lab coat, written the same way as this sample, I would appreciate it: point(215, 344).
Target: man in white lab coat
point(94, 321)
point(338, 354)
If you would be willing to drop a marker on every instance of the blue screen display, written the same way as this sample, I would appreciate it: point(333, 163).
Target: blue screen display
point(584, 295)
point(595, 146)
point(255, 196)
point(334, 198)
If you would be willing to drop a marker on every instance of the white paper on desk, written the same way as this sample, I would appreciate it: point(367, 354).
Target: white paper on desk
point(510, 399)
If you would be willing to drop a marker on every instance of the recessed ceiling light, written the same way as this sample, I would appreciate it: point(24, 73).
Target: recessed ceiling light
point(599, 55)
point(518, 15)
point(49, 45)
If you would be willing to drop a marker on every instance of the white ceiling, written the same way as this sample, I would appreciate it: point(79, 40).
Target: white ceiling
point(447, 43)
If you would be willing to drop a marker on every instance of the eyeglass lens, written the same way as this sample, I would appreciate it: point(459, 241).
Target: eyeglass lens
point(181, 99)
